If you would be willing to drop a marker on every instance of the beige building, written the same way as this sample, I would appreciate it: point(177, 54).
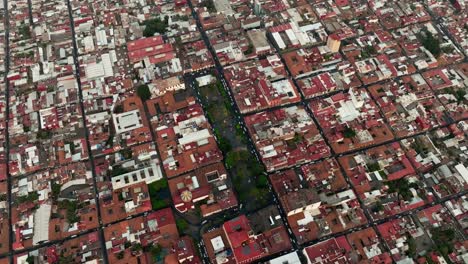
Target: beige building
point(333, 43)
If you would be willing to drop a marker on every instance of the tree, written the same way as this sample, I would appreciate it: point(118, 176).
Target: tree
point(51, 88)
point(158, 204)
point(224, 144)
point(70, 207)
point(182, 225)
point(55, 190)
point(120, 255)
point(65, 259)
point(209, 4)
point(448, 49)
point(118, 109)
point(126, 153)
point(137, 247)
point(249, 49)
point(297, 138)
point(178, 40)
point(402, 187)
point(445, 239)
point(157, 185)
point(262, 181)
point(460, 95)
point(154, 26)
point(443, 235)
point(370, 50)
point(118, 170)
point(411, 246)
point(419, 146)
point(143, 92)
point(378, 207)
point(232, 158)
point(154, 250)
point(349, 132)
point(30, 260)
point(156, 191)
point(30, 197)
point(72, 146)
point(24, 31)
point(431, 43)
point(373, 166)
point(110, 140)
point(43, 134)
point(254, 166)
point(127, 244)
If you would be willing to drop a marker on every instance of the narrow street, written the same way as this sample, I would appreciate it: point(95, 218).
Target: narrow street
point(83, 113)
point(7, 135)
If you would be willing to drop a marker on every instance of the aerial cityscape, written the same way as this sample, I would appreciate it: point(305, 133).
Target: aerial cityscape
point(233, 131)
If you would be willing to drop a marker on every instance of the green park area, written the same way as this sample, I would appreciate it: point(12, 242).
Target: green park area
point(247, 174)
point(159, 194)
point(155, 25)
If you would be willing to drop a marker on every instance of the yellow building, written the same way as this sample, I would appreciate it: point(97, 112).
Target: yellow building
point(333, 43)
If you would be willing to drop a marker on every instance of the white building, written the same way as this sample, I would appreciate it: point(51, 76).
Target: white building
point(148, 175)
point(127, 121)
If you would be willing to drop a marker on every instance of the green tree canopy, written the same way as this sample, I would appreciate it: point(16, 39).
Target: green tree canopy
point(431, 43)
point(349, 133)
point(154, 26)
point(143, 92)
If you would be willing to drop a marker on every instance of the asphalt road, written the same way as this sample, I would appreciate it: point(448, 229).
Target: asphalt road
point(83, 113)
point(7, 134)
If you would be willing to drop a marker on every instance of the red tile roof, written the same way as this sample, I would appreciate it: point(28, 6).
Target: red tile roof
point(144, 43)
point(237, 230)
point(153, 48)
